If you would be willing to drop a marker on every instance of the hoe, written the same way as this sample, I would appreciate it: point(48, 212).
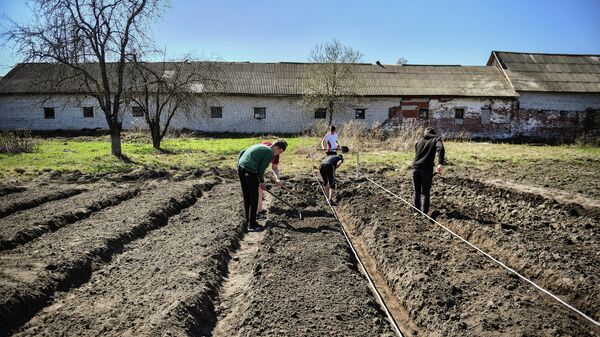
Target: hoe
point(285, 202)
point(310, 201)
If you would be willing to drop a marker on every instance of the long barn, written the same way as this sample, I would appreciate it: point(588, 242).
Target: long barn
point(514, 95)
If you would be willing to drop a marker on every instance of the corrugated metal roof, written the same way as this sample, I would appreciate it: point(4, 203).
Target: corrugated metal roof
point(551, 72)
point(288, 79)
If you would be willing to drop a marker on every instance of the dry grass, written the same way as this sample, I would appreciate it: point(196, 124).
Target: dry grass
point(374, 137)
point(13, 142)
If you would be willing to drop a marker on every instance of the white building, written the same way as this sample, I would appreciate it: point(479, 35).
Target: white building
point(496, 100)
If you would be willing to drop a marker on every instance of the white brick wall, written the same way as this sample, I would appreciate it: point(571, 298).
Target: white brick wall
point(27, 112)
point(283, 114)
point(556, 101)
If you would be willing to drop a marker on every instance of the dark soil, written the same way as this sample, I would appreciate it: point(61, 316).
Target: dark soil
point(30, 274)
point(21, 227)
point(13, 203)
point(580, 176)
point(6, 189)
point(303, 281)
point(161, 285)
point(555, 244)
point(451, 290)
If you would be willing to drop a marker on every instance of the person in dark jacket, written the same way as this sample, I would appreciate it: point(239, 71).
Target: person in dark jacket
point(425, 151)
point(252, 164)
point(327, 170)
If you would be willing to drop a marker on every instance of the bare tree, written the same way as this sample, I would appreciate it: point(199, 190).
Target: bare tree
point(330, 80)
point(93, 40)
point(402, 61)
point(165, 89)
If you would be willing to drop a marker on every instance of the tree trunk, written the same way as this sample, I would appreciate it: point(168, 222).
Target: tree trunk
point(155, 132)
point(330, 112)
point(115, 140)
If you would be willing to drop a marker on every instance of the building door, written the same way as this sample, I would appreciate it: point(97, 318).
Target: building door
point(395, 113)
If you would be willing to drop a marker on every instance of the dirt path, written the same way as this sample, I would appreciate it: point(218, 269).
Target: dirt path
point(162, 285)
point(298, 278)
point(238, 282)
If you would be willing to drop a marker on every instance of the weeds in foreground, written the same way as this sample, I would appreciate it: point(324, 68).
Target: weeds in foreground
point(13, 142)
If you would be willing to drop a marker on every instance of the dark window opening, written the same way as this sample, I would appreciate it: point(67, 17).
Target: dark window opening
point(321, 113)
point(485, 115)
point(360, 114)
point(216, 112)
point(88, 112)
point(49, 113)
point(260, 113)
point(137, 111)
point(459, 115)
point(424, 113)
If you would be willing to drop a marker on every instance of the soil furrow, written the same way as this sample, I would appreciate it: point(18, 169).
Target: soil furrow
point(552, 246)
point(10, 204)
point(301, 281)
point(32, 273)
point(10, 189)
point(22, 227)
point(447, 288)
point(161, 285)
point(574, 205)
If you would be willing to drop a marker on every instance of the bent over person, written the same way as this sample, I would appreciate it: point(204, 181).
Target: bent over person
point(252, 164)
point(425, 150)
point(327, 169)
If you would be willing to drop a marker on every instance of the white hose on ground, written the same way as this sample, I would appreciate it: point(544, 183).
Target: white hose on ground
point(371, 283)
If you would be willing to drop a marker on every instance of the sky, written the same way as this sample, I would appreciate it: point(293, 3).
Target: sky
point(424, 31)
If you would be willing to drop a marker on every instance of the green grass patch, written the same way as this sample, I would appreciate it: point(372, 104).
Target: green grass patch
point(92, 155)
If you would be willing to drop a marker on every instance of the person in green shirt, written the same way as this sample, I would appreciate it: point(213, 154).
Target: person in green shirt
point(252, 164)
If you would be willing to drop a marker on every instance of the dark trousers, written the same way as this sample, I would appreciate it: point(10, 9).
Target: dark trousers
point(328, 175)
point(250, 182)
point(422, 185)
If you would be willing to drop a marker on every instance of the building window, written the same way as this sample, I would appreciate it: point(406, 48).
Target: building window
point(137, 111)
point(424, 113)
point(360, 114)
point(49, 113)
point(459, 115)
point(260, 113)
point(485, 115)
point(88, 112)
point(216, 112)
point(321, 113)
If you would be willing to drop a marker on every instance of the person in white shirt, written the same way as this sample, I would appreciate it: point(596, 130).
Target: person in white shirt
point(330, 140)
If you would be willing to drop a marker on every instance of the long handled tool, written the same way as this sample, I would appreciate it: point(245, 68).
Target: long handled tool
point(285, 202)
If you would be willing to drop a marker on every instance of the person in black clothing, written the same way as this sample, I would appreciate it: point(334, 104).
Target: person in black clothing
point(327, 170)
point(425, 150)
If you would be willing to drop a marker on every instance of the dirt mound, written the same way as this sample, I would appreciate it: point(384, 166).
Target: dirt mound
point(30, 274)
point(447, 288)
point(161, 285)
point(10, 204)
point(27, 225)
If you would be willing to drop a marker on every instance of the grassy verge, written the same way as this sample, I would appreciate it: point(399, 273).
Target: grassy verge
point(91, 155)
